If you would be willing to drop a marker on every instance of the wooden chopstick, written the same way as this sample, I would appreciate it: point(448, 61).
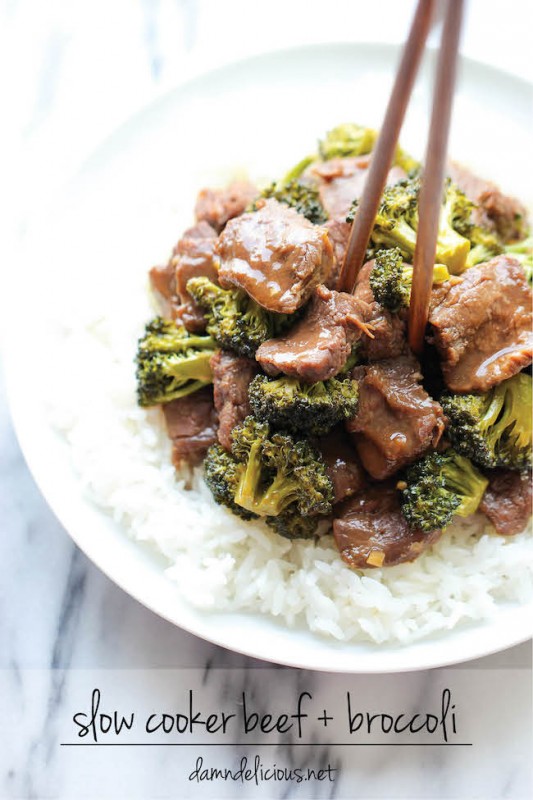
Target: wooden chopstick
point(383, 152)
point(430, 199)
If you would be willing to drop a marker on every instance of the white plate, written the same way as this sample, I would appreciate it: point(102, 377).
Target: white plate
point(127, 206)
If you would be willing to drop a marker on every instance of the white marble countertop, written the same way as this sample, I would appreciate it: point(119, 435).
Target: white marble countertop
point(74, 71)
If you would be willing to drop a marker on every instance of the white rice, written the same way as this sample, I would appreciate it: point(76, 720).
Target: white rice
point(220, 562)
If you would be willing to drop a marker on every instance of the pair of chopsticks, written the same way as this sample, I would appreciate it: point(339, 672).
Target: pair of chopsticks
point(430, 199)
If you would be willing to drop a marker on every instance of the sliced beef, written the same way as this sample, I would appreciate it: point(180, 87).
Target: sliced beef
point(163, 280)
point(396, 420)
point(496, 211)
point(342, 180)
point(192, 257)
point(217, 206)
point(231, 377)
point(191, 424)
point(342, 463)
point(387, 331)
point(507, 500)
point(370, 530)
point(339, 234)
point(481, 325)
point(276, 255)
point(317, 347)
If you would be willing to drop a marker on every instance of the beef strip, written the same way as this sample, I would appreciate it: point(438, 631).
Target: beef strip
point(507, 500)
point(496, 211)
point(342, 180)
point(231, 377)
point(317, 347)
point(342, 463)
point(371, 531)
point(192, 257)
point(339, 233)
point(388, 335)
point(396, 420)
point(163, 282)
point(481, 325)
point(191, 424)
point(276, 255)
point(217, 206)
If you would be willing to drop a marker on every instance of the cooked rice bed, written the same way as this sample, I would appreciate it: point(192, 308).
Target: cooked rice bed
point(221, 563)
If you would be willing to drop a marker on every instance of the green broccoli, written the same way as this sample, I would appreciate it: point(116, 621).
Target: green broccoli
point(406, 161)
point(484, 245)
point(300, 196)
point(311, 408)
point(280, 472)
point(292, 525)
point(269, 474)
point(391, 279)
point(353, 359)
point(396, 223)
point(347, 140)
point(234, 320)
point(222, 474)
point(493, 429)
point(439, 486)
point(171, 362)
point(523, 251)
point(350, 140)
point(297, 170)
point(457, 209)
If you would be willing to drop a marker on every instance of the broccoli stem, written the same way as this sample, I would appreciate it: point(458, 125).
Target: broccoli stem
point(467, 483)
point(296, 171)
point(246, 494)
point(278, 496)
point(194, 367)
point(452, 250)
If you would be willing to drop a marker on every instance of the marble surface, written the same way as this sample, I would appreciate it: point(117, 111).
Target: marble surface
point(80, 68)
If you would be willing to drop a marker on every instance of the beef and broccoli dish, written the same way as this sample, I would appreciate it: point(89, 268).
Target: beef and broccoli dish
point(304, 403)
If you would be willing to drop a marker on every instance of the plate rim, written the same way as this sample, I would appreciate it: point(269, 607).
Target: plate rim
point(84, 543)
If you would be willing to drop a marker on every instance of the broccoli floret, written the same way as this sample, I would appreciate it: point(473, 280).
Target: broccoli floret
point(347, 140)
point(457, 209)
point(292, 525)
point(280, 473)
point(350, 140)
point(352, 360)
point(222, 474)
point(493, 429)
point(391, 279)
point(271, 475)
point(484, 245)
point(405, 161)
point(234, 320)
point(300, 196)
point(438, 487)
point(171, 362)
point(297, 170)
point(523, 251)
point(311, 408)
point(396, 224)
